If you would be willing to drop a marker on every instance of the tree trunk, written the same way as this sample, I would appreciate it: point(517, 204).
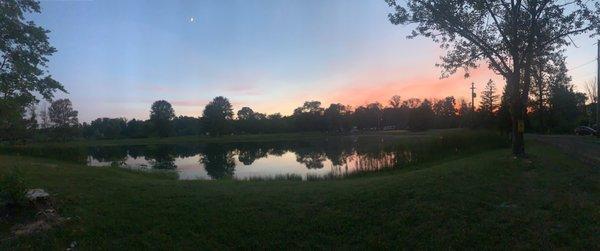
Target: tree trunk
point(516, 114)
point(518, 144)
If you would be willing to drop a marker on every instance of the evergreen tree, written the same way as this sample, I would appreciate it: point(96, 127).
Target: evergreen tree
point(489, 98)
point(488, 106)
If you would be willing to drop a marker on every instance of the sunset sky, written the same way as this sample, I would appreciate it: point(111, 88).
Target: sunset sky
point(117, 57)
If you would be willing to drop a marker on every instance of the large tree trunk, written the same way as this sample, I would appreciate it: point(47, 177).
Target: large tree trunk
point(518, 144)
point(516, 114)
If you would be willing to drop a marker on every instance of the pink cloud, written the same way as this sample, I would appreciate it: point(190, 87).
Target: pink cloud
point(379, 87)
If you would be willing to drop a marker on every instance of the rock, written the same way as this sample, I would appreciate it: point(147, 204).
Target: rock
point(37, 194)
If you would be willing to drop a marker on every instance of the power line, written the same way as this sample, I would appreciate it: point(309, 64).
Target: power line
point(582, 65)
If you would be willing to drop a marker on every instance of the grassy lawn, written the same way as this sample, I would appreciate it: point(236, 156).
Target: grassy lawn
point(487, 199)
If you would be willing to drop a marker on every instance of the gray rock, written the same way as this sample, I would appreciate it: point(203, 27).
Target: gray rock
point(36, 194)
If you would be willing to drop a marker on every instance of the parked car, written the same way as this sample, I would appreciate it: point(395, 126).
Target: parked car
point(585, 130)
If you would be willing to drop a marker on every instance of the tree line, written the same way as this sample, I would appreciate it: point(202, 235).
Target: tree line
point(558, 108)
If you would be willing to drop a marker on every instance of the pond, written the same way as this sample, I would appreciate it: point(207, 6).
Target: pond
point(264, 160)
point(329, 157)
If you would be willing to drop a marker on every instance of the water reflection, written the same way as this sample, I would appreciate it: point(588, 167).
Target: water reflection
point(218, 161)
point(250, 160)
point(318, 158)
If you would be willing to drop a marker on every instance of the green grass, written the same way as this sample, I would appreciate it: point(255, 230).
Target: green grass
point(483, 200)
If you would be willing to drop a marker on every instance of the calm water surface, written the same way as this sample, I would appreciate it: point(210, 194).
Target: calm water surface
point(309, 159)
point(323, 158)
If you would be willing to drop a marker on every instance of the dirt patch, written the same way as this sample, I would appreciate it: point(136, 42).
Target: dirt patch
point(45, 220)
point(46, 217)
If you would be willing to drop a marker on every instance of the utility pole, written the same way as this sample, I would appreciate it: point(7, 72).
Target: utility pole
point(598, 91)
point(473, 94)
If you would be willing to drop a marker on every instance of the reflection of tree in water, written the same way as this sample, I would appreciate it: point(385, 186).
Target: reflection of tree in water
point(161, 156)
point(186, 150)
point(115, 154)
point(72, 154)
point(248, 153)
point(311, 159)
point(337, 153)
point(218, 161)
point(163, 163)
point(277, 152)
point(137, 151)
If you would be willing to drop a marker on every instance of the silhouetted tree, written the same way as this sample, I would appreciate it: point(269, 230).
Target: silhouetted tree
point(250, 121)
point(488, 98)
point(24, 52)
point(375, 111)
point(185, 126)
point(309, 117)
point(245, 113)
point(161, 115)
point(411, 103)
point(465, 114)
point(395, 101)
point(566, 107)
point(509, 36)
point(397, 114)
point(488, 104)
point(369, 117)
point(277, 123)
point(61, 113)
point(421, 117)
point(137, 129)
point(445, 113)
point(64, 118)
point(217, 116)
point(336, 118)
point(545, 70)
point(105, 128)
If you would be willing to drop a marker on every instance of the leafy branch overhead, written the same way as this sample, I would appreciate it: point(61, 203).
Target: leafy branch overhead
point(24, 52)
point(501, 33)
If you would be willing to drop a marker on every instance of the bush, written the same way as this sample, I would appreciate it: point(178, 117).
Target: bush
point(12, 189)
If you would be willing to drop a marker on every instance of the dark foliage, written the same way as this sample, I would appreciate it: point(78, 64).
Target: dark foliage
point(161, 115)
point(24, 53)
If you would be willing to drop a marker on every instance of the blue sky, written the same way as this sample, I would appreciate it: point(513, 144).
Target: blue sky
point(116, 57)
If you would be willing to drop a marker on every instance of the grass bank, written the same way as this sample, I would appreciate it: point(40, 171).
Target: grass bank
point(487, 199)
point(241, 138)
